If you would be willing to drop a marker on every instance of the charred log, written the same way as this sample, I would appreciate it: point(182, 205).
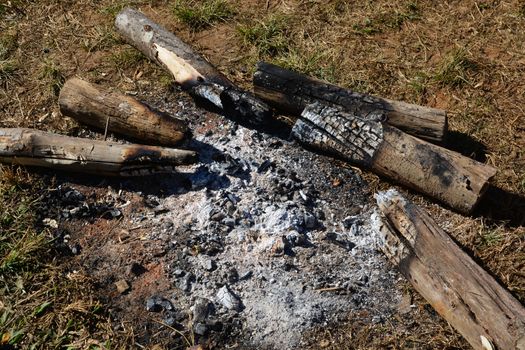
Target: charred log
point(190, 70)
point(453, 179)
point(291, 92)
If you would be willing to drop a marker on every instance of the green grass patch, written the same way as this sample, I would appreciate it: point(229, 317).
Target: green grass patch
point(270, 37)
point(419, 83)
point(101, 37)
point(388, 20)
point(200, 15)
point(115, 7)
point(455, 69)
point(7, 70)
point(489, 237)
point(8, 66)
point(127, 58)
point(51, 73)
point(318, 63)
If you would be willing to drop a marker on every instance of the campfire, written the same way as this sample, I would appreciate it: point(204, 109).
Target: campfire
point(259, 230)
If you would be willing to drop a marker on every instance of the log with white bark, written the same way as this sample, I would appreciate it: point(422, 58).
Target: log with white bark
point(448, 176)
point(43, 149)
point(291, 92)
point(190, 70)
point(101, 108)
point(462, 292)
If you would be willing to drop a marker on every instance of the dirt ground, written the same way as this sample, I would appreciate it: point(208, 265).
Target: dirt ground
point(463, 56)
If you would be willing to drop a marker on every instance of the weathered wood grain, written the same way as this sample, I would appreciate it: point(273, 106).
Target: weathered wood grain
point(190, 70)
point(38, 148)
point(482, 311)
point(97, 106)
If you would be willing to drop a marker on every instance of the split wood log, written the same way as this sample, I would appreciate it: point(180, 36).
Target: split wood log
point(190, 70)
point(291, 92)
point(99, 107)
point(482, 311)
point(448, 176)
point(37, 148)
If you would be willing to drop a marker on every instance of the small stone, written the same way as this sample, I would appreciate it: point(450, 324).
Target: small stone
point(75, 249)
point(230, 222)
point(232, 275)
point(179, 273)
point(185, 282)
point(229, 300)
point(377, 319)
point(217, 216)
point(166, 304)
point(115, 213)
point(200, 329)
point(278, 247)
point(296, 239)
point(210, 265)
point(152, 305)
point(245, 276)
point(349, 221)
point(324, 343)
point(404, 306)
point(122, 286)
point(202, 309)
point(50, 223)
point(170, 321)
point(310, 221)
point(265, 166)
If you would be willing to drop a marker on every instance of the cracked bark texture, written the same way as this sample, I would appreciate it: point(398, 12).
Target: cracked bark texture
point(190, 70)
point(291, 92)
point(450, 280)
point(447, 176)
point(92, 104)
point(331, 130)
point(38, 148)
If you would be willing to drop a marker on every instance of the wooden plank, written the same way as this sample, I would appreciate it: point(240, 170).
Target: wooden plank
point(291, 92)
point(482, 311)
point(38, 148)
point(195, 74)
point(448, 176)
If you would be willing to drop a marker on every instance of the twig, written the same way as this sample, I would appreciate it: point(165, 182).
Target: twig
point(106, 129)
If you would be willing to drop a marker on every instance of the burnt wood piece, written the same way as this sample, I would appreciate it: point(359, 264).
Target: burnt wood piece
point(37, 148)
point(190, 70)
point(464, 294)
point(96, 106)
point(291, 92)
point(448, 176)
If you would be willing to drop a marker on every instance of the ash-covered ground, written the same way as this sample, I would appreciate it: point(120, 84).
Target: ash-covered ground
point(257, 244)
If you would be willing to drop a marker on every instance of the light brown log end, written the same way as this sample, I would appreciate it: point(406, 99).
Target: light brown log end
point(97, 106)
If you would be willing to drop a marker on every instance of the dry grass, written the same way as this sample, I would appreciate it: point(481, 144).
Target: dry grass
point(466, 57)
point(43, 305)
point(199, 15)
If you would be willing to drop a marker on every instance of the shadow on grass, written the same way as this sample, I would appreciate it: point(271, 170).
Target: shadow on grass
point(497, 204)
point(466, 145)
point(500, 205)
